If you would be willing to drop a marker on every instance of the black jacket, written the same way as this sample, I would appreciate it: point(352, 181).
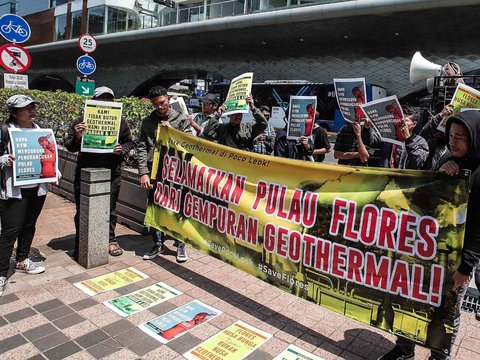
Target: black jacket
point(471, 247)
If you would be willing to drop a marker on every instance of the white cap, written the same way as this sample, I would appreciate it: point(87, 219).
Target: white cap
point(102, 90)
point(19, 101)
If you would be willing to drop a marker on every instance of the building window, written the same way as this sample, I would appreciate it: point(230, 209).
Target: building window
point(117, 20)
point(76, 24)
point(61, 27)
point(96, 20)
point(54, 3)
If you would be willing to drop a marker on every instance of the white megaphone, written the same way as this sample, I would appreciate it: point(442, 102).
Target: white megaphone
point(430, 85)
point(422, 69)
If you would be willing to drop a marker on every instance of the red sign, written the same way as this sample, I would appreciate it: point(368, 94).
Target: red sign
point(14, 58)
point(87, 43)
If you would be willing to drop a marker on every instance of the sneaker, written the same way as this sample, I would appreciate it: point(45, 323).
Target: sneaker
point(181, 253)
point(3, 284)
point(29, 267)
point(156, 250)
point(176, 243)
point(397, 354)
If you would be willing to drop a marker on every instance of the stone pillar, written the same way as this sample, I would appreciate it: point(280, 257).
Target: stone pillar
point(94, 217)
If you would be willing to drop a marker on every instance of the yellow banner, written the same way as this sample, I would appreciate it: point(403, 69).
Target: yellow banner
point(376, 245)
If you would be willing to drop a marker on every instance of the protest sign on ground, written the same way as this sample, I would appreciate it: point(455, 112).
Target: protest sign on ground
point(142, 299)
point(313, 229)
point(293, 352)
point(240, 88)
point(350, 96)
point(110, 281)
point(102, 126)
point(386, 116)
point(35, 152)
point(179, 321)
point(234, 343)
point(301, 116)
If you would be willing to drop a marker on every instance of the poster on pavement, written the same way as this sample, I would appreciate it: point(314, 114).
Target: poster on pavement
point(102, 126)
point(301, 116)
point(110, 281)
point(464, 97)
point(179, 321)
point(386, 116)
point(350, 95)
point(240, 89)
point(233, 343)
point(142, 299)
point(293, 352)
point(376, 234)
point(35, 153)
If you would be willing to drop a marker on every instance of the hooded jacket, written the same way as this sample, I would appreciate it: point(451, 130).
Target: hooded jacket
point(471, 248)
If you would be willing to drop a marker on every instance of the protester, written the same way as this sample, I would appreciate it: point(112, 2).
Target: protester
point(264, 143)
point(209, 107)
point(321, 144)
point(435, 138)
point(349, 147)
point(463, 141)
point(235, 133)
point(413, 155)
point(20, 205)
point(163, 115)
point(112, 161)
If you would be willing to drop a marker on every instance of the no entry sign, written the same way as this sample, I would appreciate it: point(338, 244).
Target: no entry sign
point(14, 58)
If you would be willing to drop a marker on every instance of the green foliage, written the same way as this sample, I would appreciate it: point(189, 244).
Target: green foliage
point(57, 110)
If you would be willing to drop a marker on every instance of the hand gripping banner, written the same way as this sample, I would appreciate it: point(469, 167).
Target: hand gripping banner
point(376, 245)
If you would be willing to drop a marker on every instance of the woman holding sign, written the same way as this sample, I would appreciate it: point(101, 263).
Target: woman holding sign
point(20, 206)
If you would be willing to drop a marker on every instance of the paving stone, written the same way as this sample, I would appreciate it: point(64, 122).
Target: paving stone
point(58, 312)
point(39, 332)
point(104, 348)
point(20, 315)
point(37, 357)
point(129, 337)
point(62, 351)
point(3, 321)
point(162, 308)
point(144, 346)
point(8, 298)
point(83, 304)
point(50, 341)
point(11, 343)
point(69, 320)
point(48, 305)
point(77, 278)
point(184, 343)
point(91, 338)
point(259, 355)
point(118, 327)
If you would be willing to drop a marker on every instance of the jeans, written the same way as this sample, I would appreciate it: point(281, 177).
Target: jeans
point(18, 219)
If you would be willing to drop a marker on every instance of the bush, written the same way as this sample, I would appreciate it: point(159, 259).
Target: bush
point(57, 110)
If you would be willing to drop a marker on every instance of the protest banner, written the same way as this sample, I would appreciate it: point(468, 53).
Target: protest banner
point(464, 97)
point(142, 299)
point(386, 116)
point(240, 88)
point(110, 281)
point(377, 245)
point(179, 321)
point(301, 116)
point(350, 96)
point(102, 126)
point(234, 343)
point(35, 152)
point(293, 352)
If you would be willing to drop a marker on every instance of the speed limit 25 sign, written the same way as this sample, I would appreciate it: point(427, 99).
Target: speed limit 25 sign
point(87, 43)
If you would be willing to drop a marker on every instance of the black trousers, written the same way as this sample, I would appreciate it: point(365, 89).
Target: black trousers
point(114, 192)
point(18, 218)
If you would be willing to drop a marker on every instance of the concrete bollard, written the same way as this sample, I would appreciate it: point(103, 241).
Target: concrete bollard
point(94, 217)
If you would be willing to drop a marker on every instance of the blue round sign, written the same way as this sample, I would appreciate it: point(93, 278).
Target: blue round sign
point(14, 28)
point(86, 65)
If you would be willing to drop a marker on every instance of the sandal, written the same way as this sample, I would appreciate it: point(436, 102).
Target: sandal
point(114, 249)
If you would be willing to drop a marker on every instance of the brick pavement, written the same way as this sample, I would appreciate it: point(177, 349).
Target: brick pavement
point(45, 316)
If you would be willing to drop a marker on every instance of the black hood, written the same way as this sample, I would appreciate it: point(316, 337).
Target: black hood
point(471, 120)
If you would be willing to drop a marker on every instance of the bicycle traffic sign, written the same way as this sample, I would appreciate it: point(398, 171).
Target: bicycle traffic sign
point(86, 65)
point(87, 43)
point(14, 58)
point(14, 28)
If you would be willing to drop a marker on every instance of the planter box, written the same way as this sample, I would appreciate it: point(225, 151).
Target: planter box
point(132, 200)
